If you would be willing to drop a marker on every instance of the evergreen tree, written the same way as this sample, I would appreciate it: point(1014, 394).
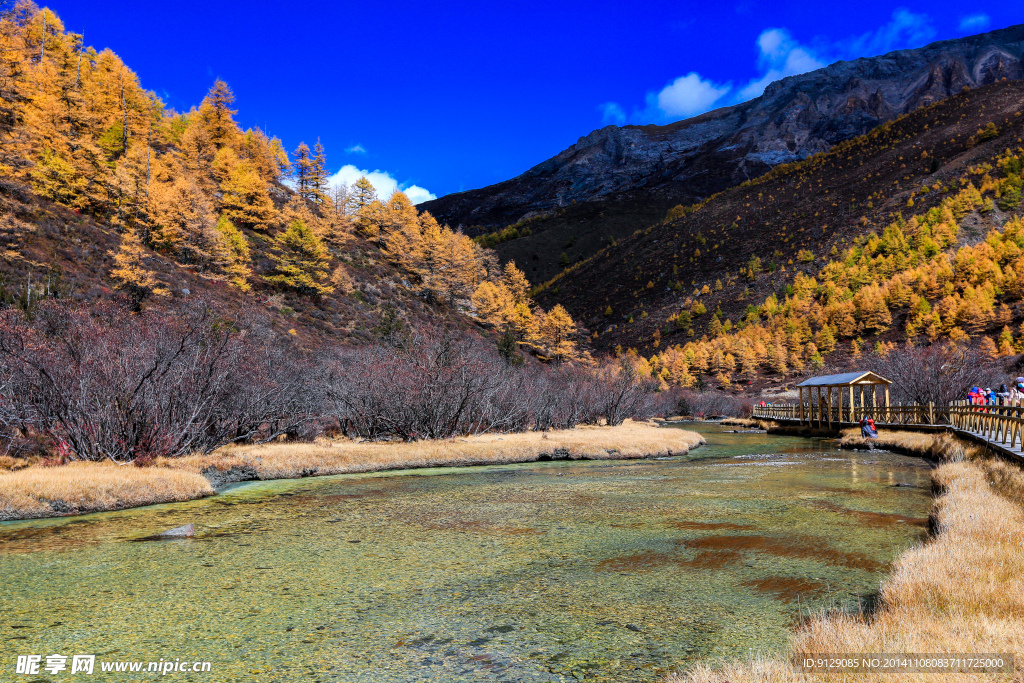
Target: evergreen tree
point(318, 174)
point(516, 283)
point(556, 329)
point(301, 261)
point(236, 249)
point(361, 194)
point(131, 273)
point(216, 115)
point(494, 303)
point(302, 171)
point(246, 198)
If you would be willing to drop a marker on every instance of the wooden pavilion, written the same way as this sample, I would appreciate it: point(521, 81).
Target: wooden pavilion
point(820, 407)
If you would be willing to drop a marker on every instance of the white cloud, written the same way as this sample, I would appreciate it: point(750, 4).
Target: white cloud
point(418, 195)
point(975, 22)
point(382, 181)
point(688, 95)
point(356, 149)
point(779, 55)
point(611, 112)
point(905, 29)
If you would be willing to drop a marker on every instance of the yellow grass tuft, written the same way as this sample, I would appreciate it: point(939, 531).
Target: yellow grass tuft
point(961, 592)
point(287, 460)
point(93, 487)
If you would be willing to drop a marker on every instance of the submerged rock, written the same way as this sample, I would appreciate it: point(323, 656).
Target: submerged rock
point(186, 531)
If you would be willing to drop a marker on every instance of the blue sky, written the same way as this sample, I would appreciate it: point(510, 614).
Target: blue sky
point(439, 97)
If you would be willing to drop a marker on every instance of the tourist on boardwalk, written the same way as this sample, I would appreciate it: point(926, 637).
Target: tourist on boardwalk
point(867, 427)
point(1017, 390)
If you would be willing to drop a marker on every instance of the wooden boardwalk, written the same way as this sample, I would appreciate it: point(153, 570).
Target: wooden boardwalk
point(1000, 428)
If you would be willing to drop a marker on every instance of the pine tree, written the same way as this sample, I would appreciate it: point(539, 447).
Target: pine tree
point(494, 303)
point(302, 170)
point(130, 270)
point(246, 199)
point(457, 267)
point(517, 283)
point(266, 155)
point(1006, 347)
point(988, 347)
point(524, 324)
point(216, 115)
point(399, 230)
point(301, 261)
point(318, 174)
point(361, 194)
point(236, 249)
point(556, 329)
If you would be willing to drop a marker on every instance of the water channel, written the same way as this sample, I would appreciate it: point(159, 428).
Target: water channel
point(562, 571)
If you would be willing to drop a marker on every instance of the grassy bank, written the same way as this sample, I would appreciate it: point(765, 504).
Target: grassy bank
point(937, 446)
point(741, 422)
point(962, 591)
point(92, 487)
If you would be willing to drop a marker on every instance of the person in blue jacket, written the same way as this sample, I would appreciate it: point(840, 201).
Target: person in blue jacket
point(867, 428)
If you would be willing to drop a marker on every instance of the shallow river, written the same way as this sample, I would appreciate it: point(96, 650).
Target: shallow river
point(597, 571)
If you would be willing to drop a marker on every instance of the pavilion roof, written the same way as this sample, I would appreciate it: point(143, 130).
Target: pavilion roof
point(845, 379)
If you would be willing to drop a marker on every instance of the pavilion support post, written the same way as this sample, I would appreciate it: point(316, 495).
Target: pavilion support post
point(888, 418)
point(828, 405)
point(801, 390)
point(874, 401)
point(821, 405)
point(839, 402)
point(853, 406)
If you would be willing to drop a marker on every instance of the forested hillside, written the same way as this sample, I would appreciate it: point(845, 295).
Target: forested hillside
point(105, 192)
point(911, 232)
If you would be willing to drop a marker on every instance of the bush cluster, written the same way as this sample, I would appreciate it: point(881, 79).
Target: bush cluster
point(103, 383)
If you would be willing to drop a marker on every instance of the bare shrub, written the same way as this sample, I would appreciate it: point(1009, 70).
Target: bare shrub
point(712, 404)
point(938, 373)
point(104, 383)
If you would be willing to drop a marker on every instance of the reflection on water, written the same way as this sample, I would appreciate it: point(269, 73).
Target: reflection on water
point(600, 571)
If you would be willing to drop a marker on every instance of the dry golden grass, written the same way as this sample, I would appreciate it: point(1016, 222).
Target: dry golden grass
point(93, 487)
point(285, 460)
point(942, 445)
point(963, 591)
point(740, 422)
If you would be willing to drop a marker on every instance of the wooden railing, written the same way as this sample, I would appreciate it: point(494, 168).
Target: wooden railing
point(824, 415)
point(999, 425)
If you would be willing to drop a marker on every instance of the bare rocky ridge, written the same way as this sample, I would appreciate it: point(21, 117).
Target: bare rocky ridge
point(796, 117)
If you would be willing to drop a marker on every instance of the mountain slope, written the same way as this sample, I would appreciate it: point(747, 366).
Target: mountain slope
point(619, 178)
point(757, 240)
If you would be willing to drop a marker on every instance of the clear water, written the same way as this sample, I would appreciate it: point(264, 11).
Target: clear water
point(597, 571)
